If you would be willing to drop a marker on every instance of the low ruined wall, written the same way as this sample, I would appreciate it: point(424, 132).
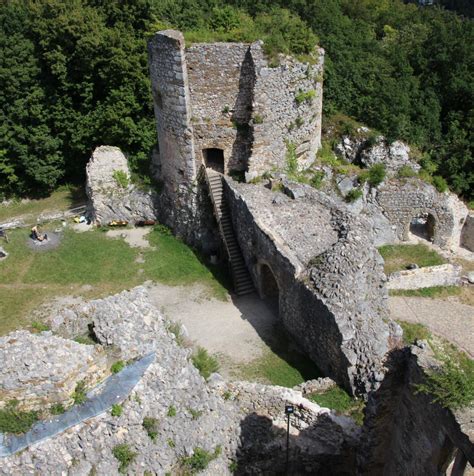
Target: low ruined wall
point(467, 234)
point(332, 304)
point(405, 433)
point(443, 275)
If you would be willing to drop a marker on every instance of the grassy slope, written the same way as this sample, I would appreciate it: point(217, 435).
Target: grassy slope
point(63, 198)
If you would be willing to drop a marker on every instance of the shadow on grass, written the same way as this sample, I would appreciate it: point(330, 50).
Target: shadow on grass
point(220, 271)
point(77, 195)
point(283, 364)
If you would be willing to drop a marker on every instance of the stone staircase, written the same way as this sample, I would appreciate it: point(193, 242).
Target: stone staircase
point(243, 283)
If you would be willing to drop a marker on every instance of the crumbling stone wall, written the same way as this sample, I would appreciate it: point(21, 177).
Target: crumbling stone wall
point(330, 278)
point(107, 199)
point(285, 119)
point(404, 432)
point(226, 96)
point(404, 200)
point(39, 370)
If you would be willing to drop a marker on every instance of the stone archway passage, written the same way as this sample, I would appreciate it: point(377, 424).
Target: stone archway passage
point(214, 159)
point(269, 287)
point(423, 226)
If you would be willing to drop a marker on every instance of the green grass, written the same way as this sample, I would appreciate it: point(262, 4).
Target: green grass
point(57, 409)
point(175, 263)
point(413, 332)
point(398, 257)
point(433, 292)
point(63, 198)
point(150, 425)
point(80, 393)
point(285, 369)
point(116, 410)
point(15, 421)
point(205, 363)
point(339, 400)
point(200, 459)
point(29, 277)
point(452, 384)
point(124, 454)
point(117, 366)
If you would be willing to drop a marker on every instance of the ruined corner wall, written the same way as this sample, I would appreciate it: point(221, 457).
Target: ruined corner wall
point(334, 307)
point(184, 206)
point(401, 201)
point(221, 78)
point(284, 119)
point(405, 433)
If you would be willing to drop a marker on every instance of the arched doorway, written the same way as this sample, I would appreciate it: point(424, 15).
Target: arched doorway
point(269, 289)
point(214, 159)
point(423, 226)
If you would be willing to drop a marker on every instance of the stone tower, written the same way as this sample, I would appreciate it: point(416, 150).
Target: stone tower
point(224, 106)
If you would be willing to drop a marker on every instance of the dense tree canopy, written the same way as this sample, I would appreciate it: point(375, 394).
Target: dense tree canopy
point(73, 75)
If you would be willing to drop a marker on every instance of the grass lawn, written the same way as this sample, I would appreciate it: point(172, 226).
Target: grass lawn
point(414, 331)
point(440, 292)
point(339, 400)
point(398, 257)
point(29, 277)
point(284, 369)
point(63, 198)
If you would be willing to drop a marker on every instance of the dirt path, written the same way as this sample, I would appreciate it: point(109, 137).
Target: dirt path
point(235, 329)
point(135, 237)
point(447, 318)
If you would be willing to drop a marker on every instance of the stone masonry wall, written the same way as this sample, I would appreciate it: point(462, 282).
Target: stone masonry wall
point(404, 431)
point(39, 370)
point(331, 297)
point(184, 206)
point(107, 200)
point(467, 235)
point(221, 77)
point(284, 119)
point(401, 201)
point(443, 275)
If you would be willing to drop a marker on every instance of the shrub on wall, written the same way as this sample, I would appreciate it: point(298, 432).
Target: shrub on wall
point(121, 178)
point(440, 184)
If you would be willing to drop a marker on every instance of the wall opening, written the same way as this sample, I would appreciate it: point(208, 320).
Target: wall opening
point(214, 159)
point(423, 226)
point(269, 289)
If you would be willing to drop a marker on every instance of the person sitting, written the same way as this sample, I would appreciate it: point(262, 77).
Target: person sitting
point(37, 235)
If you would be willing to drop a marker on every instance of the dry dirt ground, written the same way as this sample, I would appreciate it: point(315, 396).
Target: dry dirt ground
point(447, 318)
point(236, 330)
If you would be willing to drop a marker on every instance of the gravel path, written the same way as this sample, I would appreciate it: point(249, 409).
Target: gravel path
point(449, 319)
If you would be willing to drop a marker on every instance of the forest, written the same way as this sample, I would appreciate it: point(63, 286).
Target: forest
point(74, 75)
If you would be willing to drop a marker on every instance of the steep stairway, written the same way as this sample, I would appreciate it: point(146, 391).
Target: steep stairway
point(243, 283)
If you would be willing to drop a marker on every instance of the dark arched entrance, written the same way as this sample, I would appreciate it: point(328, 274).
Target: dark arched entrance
point(423, 226)
point(269, 289)
point(214, 159)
